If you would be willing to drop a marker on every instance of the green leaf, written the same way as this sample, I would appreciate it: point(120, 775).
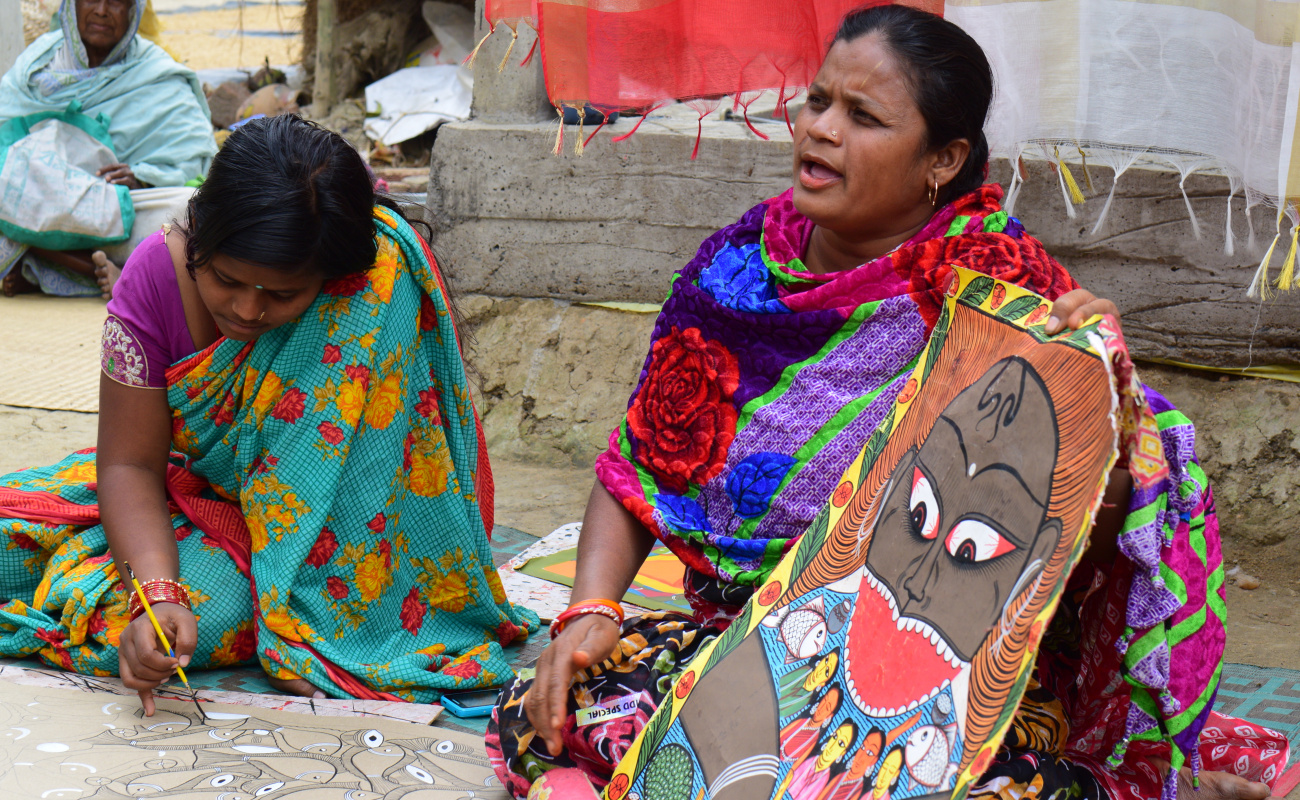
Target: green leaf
point(876, 444)
point(977, 291)
point(656, 728)
point(810, 542)
point(1018, 308)
point(937, 339)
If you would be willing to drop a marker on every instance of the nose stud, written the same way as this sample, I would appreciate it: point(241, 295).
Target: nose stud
point(259, 316)
point(835, 134)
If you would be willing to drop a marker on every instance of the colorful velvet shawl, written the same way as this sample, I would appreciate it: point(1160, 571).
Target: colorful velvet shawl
point(331, 498)
point(764, 380)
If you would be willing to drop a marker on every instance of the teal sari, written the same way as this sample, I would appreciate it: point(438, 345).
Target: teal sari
point(331, 498)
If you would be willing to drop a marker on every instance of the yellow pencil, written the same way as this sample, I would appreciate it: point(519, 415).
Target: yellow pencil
point(162, 637)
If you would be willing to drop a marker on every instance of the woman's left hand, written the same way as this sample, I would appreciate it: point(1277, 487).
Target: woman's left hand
point(119, 174)
point(1073, 309)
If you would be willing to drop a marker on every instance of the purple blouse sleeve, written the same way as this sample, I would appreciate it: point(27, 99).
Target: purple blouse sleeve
point(145, 332)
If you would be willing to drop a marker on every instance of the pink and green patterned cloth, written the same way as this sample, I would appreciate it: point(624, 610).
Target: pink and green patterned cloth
point(763, 382)
point(331, 498)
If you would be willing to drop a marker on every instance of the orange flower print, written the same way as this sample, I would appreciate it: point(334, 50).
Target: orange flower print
point(267, 394)
point(384, 273)
point(372, 577)
point(385, 403)
point(351, 400)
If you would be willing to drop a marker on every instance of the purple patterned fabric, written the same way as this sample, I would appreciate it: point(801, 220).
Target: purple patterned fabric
point(145, 332)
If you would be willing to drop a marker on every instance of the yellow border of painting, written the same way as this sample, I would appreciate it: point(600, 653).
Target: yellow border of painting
point(772, 591)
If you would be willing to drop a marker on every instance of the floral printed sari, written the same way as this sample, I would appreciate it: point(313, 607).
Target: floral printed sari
point(331, 498)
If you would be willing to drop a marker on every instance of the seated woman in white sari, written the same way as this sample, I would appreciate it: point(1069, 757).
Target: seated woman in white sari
point(157, 119)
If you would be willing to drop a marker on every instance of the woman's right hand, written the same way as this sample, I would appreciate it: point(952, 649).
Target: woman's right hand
point(142, 660)
point(586, 640)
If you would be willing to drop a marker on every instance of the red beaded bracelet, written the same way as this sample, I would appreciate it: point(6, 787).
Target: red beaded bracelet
point(605, 608)
point(158, 590)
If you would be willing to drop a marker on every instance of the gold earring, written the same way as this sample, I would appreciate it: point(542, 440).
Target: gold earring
point(933, 193)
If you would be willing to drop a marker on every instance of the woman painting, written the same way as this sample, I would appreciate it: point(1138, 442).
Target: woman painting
point(781, 347)
point(288, 458)
point(159, 123)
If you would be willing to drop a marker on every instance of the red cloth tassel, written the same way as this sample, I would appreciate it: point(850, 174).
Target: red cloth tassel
point(638, 123)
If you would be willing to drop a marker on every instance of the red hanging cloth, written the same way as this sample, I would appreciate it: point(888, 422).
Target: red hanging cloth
point(630, 54)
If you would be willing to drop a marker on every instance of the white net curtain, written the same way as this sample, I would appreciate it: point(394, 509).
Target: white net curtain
point(1193, 86)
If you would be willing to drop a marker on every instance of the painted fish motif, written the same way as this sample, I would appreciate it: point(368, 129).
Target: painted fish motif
point(928, 755)
point(802, 631)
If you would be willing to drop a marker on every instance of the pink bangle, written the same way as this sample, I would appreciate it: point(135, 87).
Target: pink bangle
point(605, 608)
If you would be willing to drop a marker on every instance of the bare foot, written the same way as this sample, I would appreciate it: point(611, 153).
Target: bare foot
point(106, 273)
point(296, 686)
point(15, 283)
point(1220, 786)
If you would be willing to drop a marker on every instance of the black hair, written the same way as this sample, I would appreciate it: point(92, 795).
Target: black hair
point(287, 194)
point(949, 75)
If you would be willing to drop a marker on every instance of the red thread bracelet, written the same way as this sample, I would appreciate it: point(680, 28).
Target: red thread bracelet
point(605, 608)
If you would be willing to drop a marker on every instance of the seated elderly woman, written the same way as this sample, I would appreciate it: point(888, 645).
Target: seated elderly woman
point(158, 121)
point(791, 332)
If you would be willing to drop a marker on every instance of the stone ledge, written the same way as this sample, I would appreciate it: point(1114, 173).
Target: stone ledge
point(514, 221)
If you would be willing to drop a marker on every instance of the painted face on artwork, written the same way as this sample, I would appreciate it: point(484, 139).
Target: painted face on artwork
point(967, 514)
point(827, 707)
point(821, 673)
point(247, 300)
point(868, 754)
point(961, 526)
point(836, 746)
point(887, 777)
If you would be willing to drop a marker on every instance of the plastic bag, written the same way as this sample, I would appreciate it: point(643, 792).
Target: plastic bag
point(414, 100)
point(50, 195)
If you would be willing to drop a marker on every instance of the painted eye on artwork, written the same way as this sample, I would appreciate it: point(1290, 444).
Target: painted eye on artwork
point(971, 541)
point(446, 747)
point(372, 738)
point(270, 787)
point(924, 507)
point(420, 774)
point(222, 780)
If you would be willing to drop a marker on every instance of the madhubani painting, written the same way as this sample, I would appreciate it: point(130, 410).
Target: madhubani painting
point(63, 744)
point(887, 653)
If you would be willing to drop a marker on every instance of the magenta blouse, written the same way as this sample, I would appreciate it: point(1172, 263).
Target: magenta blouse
point(145, 332)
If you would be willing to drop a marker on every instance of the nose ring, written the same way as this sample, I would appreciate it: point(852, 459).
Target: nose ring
point(259, 316)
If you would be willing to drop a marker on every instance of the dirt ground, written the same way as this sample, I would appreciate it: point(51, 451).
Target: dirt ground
point(206, 35)
point(1264, 626)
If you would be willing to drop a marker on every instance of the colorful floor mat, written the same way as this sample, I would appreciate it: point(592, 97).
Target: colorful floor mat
point(1267, 695)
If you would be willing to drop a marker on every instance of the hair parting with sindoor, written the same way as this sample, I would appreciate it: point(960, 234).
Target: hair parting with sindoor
point(286, 194)
point(949, 75)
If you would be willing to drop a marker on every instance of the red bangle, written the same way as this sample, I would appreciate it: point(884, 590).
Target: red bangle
point(605, 608)
point(158, 590)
